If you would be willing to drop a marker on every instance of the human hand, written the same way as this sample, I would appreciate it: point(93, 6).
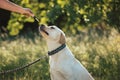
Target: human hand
point(27, 12)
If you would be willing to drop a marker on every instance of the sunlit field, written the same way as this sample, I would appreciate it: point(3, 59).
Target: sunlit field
point(98, 52)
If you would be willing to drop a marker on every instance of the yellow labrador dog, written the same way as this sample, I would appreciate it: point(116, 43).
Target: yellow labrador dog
point(63, 65)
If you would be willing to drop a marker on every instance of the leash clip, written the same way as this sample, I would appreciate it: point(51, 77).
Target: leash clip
point(36, 19)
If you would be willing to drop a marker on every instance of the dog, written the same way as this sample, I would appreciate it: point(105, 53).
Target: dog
point(63, 64)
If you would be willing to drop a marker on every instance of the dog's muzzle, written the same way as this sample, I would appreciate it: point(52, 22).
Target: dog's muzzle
point(42, 28)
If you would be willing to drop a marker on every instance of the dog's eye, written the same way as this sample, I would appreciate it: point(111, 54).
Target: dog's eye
point(52, 27)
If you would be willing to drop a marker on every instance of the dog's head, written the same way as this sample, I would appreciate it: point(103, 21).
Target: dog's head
point(52, 33)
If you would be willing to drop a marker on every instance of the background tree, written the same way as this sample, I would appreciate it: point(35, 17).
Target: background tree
point(72, 15)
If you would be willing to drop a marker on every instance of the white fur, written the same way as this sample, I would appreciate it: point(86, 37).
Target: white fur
point(63, 65)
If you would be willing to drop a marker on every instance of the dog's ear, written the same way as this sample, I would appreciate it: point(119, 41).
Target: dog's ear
point(62, 39)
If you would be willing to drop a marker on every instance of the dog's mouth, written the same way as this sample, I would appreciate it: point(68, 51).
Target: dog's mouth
point(42, 28)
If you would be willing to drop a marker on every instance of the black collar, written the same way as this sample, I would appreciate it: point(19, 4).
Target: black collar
point(56, 50)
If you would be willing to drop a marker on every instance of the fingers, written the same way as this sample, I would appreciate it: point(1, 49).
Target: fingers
point(28, 12)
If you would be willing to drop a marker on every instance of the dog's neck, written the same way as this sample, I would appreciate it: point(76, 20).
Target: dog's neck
point(52, 45)
point(57, 50)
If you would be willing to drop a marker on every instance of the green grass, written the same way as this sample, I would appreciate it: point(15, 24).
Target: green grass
point(100, 54)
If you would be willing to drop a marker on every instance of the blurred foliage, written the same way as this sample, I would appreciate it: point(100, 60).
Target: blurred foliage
point(70, 15)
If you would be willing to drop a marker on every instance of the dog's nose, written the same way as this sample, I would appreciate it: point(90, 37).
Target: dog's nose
point(42, 26)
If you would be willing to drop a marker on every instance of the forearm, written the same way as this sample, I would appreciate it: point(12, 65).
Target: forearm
point(5, 4)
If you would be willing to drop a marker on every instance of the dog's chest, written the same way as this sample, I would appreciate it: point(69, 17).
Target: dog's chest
point(59, 62)
point(54, 63)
